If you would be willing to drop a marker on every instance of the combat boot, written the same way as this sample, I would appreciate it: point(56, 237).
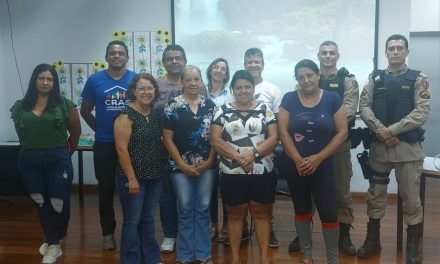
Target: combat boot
point(345, 244)
point(412, 244)
point(371, 245)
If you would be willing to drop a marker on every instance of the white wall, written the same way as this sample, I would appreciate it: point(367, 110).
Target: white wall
point(425, 15)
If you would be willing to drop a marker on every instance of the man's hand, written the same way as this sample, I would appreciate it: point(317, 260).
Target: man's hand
point(392, 141)
point(383, 134)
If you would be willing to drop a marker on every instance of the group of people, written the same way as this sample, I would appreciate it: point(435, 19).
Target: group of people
point(174, 142)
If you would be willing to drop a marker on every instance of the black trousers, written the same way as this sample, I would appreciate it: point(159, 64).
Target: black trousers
point(104, 159)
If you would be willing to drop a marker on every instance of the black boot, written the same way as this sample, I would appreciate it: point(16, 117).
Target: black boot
point(412, 244)
point(371, 245)
point(345, 244)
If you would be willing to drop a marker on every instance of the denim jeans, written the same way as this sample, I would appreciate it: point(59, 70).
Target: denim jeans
point(168, 204)
point(138, 242)
point(47, 175)
point(193, 198)
point(104, 160)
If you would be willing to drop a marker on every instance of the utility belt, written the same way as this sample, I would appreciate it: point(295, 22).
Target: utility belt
point(358, 135)
point(411, 137)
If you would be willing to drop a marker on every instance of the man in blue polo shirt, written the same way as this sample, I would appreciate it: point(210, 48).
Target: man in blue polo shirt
point(106, 91)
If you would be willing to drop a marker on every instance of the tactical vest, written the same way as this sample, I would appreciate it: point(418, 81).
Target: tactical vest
point(337, 85)
point(393, 99)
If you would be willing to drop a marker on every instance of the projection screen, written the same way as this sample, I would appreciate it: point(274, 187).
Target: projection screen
point(285, 30)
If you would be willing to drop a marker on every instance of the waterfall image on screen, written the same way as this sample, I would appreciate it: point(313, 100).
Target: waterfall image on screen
point(285, 30)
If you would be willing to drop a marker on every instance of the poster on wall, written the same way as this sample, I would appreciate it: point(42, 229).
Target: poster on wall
point(145, 50)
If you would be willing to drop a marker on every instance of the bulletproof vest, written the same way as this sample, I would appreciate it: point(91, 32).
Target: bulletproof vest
point(393, 99)
point(337, 85)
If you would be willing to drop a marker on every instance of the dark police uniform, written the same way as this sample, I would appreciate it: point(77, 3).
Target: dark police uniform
point(345, 84)
point(400, 101)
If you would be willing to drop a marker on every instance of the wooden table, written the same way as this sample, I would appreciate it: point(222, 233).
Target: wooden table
point(429, 171)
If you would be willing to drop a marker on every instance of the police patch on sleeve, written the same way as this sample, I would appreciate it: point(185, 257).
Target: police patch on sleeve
point(425, 94)
point(424, 83)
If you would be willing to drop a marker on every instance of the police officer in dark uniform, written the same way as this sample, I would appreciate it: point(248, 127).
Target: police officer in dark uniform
point(394, 104)
point(345, 84)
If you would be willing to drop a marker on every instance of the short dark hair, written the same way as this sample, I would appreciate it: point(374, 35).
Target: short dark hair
point(30, 98)
point(136, 79)
point(306, 63)
point(242, 75)
point(208, 71)
point(254, 52)
point(116, 42)
point(174, 47)
point(329, 43)
point(396, 37)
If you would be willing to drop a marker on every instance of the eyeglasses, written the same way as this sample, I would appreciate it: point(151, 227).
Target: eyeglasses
point(174, 59)
point(145, 89)
point(219, 68)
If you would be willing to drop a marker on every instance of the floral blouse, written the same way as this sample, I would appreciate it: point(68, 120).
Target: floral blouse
point(191, 131)
point(245, 133)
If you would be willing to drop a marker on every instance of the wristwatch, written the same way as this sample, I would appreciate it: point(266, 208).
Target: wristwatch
point(256, 153)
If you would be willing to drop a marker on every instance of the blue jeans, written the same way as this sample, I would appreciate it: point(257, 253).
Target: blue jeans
point(138, 244)
point(47, 175)
point(193, 198)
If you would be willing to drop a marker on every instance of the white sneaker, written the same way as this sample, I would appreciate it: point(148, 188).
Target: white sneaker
point(52, 254)
point(43, 248)
point(168, 244)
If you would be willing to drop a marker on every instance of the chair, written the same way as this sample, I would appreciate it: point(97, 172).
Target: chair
point(282, 187)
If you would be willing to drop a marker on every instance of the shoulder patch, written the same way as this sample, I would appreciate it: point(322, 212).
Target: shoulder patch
point(424, 84)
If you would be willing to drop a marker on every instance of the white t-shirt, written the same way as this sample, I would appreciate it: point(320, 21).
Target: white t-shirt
point(269, 94)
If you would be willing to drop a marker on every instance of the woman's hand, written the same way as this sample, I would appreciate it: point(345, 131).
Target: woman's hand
point(189, 170)
point(249, 167)
point(201, 166)
point(299, 163)
point(309, 165)
point(133, 187)
point(246, 160)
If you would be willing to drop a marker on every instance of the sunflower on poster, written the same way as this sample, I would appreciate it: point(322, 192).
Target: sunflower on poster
point(98, 66)
point(121, 35)
point(61, 70)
